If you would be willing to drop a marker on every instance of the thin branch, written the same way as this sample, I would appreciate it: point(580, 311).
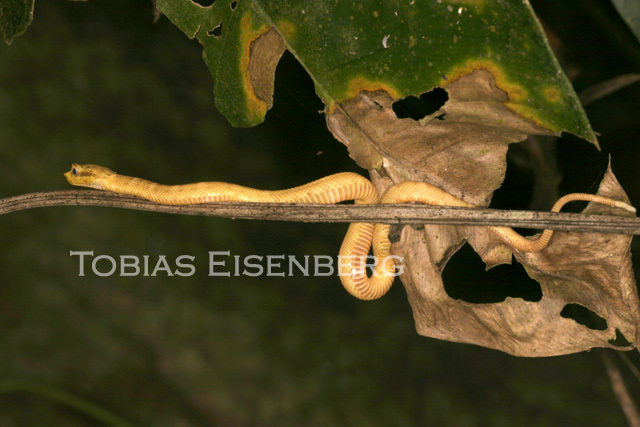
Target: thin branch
point(620, 389)
point(389, 214)
point(607, 87)
point(629, 364)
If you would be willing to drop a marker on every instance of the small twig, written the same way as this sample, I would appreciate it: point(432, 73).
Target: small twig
point(623, 356)
point(389, 214)
point(607, 87)
point(620, 389)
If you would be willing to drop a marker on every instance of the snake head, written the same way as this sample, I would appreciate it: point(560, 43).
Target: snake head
point(92, 176)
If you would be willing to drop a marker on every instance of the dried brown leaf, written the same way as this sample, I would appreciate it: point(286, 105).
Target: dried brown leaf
point(589, 269)
point(464, 154)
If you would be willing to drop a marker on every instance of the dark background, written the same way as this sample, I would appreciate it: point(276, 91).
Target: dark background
point(99, 82)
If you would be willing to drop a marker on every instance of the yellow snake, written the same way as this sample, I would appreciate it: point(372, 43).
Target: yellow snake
point(331, 189)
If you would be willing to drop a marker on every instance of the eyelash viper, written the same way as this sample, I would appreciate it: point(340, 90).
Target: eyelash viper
point(328, 190)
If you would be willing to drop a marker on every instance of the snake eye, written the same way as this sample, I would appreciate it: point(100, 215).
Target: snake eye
point(74, 171)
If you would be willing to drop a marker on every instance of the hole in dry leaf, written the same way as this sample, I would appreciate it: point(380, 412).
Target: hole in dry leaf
point(465, 279)
point(619, 340)
point(394, 233)
point(216, 32)
point(233, 5)
point(419, 108)
point(517, 188)
point(584, 316)
point(204, 3)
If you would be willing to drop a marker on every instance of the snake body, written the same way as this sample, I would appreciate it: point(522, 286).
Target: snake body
point(332, 189)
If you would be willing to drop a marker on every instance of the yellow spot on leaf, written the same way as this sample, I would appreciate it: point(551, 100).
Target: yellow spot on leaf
point(287, 29)
point(552, 94)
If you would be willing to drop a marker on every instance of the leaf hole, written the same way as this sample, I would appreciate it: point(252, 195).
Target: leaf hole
point(619, 340)
point(395, 232)
point(204, 3)
point(233, 5)
point(466, 279)
point(216, 32)
point(584, 317)
point(517, 189)
point(419, 108)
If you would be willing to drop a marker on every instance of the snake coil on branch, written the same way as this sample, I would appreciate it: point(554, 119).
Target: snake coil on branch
point(332, 189)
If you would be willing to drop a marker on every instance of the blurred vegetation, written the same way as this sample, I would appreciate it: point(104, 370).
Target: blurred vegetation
point(99, 82)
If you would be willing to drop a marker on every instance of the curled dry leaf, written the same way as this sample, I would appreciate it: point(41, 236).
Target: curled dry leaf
point(465, 155)
point(589, 269)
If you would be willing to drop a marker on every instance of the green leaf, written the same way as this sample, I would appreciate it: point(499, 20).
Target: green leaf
point(15, 17)
point(629, 10)
point(402, 48)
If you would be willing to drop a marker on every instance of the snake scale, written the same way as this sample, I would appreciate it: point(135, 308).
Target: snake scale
point(331, 189)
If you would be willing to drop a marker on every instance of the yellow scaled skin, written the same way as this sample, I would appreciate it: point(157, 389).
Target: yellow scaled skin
point(331, 189)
